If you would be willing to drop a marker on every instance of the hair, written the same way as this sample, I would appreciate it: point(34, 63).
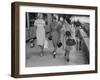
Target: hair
point(68, 33)
point(39, 15)
point(54, 18)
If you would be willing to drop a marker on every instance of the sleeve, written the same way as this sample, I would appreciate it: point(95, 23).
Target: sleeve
point(35, 23)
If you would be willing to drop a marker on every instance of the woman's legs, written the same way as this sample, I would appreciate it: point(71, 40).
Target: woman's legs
point(42, 48)
point(55, 40)
point(40, 39)
point(77, 44)
point(54, 51)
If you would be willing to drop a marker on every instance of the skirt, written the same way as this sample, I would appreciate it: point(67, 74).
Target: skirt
point(55, 38)
point(40, 34)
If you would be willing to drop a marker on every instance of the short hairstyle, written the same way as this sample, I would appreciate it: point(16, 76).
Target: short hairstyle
point(54, 18)
point(68, 33)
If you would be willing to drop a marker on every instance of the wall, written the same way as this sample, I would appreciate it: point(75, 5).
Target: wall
point(5, 40)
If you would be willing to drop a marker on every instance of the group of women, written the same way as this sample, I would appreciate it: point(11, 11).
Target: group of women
point(59, 32)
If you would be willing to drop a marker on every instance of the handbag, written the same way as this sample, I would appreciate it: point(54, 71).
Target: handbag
point(50, 37)
point(70, 42)
point(59, 44)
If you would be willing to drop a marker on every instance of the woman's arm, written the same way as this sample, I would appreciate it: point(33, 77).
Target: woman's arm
point(35, 24)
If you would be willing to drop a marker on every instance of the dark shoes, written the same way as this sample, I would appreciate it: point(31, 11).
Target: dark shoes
point(67, 58)
point(32, 45)
point(41, 55)
point(54, 55)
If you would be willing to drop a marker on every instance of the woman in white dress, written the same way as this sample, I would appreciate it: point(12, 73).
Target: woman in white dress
point(40, 32)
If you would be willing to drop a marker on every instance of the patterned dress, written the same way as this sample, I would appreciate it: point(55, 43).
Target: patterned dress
point(40, 31)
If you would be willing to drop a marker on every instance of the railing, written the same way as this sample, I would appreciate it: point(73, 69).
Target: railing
point(85, 38)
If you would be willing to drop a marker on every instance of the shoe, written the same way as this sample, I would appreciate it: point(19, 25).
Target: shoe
point(65, 54)
point(41, 54)
point(31, 45)
point(54, 55)
point(67, 60)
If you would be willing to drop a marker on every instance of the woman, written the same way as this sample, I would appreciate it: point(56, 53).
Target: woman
point(66, 27)
point(70, 42)
point(40, 32)
point(55, 35)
